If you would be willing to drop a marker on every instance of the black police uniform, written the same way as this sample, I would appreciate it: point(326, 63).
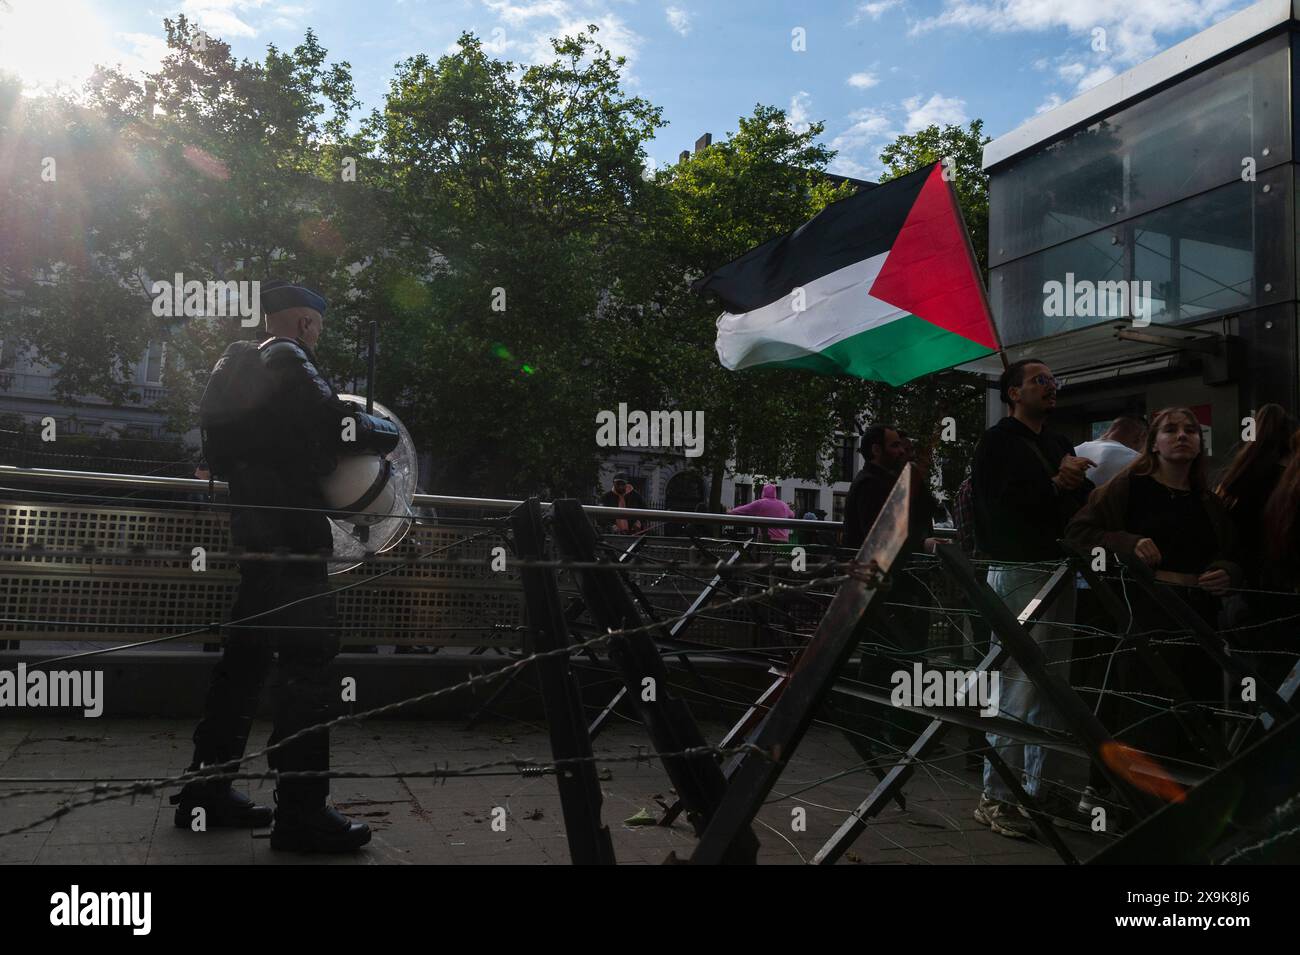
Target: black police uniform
point(277, 503)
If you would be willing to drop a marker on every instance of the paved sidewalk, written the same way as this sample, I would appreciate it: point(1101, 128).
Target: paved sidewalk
point(421, 821)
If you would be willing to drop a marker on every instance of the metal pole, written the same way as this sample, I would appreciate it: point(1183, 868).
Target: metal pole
point(897, 777)
point(752, 778)
point(370, 369)
point(579, 785)
point(10, 473)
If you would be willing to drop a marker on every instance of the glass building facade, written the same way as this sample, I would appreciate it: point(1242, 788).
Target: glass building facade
point(1190, 187)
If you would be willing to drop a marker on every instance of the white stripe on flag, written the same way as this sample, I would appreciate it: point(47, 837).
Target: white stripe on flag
point(836, 307)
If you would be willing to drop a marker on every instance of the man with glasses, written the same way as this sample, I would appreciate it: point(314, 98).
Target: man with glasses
point(1027, 483)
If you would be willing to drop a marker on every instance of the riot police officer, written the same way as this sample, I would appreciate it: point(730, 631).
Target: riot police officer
point(272, 426)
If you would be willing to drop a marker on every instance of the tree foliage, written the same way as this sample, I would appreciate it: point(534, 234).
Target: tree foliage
point(501, 228)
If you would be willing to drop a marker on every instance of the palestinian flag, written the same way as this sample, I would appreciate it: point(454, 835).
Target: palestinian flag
point(881, 285)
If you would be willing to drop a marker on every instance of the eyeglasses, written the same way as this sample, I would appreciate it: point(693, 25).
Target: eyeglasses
point(1045, 380)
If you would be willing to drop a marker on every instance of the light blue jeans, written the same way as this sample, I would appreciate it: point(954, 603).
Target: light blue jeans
point(1019, 699)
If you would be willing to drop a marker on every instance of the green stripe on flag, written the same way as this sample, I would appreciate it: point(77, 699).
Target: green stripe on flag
point(895, 353)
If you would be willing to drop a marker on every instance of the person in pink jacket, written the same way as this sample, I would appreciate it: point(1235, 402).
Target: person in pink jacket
point(769, 505)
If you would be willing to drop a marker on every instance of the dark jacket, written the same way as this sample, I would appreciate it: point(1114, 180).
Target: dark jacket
point(631, 499)
point(1250, 498)
point(303, 420)
point(867, 496)
point(1101, 524)
point(1020, 514)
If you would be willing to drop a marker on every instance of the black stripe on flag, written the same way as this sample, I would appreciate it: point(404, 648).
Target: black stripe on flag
point(848, 231)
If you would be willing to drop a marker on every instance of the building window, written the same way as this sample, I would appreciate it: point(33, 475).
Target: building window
point(837, 506)
point(845, 457)
point(744, 494)
point(805, 500)
point(154, 363)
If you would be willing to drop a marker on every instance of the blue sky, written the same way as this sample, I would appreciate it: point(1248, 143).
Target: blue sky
point(870, 70)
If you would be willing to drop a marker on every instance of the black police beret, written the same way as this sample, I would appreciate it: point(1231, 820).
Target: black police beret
point(278, 295)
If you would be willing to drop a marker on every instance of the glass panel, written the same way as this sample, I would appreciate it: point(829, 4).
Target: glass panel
point(1269, 341)
point(1215, 253)
point(1179, 142)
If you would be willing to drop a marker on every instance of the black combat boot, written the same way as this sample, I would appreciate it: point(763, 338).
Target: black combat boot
point(223, 805)
point(300, 827)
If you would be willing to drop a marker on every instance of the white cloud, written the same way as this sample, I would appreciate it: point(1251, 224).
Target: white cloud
point(615, 36)
point(531, 24)
point(1130, 26)
point(519, 13)
point(858, 146)
point(224, 18)
point(496, 43)
point(289, 16)
point(1096, 77)
point(798, 117)
point(863, 81)
point(1083, 75)
point(938, 110)
point(874, 10)
point(679, 20)
point(842, 166)
point(870, 129)
point(144, 51)
point(867, 127)
point(1072, 72)
point(1052, 101)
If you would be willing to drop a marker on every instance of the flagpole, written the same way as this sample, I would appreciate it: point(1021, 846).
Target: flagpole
point(975, 267)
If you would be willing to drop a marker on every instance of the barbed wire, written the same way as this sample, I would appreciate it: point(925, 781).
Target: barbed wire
point(146, 785)
point(951, 617)
point(475, 679)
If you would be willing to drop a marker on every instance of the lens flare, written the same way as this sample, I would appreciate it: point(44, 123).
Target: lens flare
point(205, 163)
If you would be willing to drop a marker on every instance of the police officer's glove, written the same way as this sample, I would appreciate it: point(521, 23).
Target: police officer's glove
point(375, 434)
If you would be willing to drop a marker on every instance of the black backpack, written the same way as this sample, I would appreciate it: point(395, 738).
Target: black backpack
point(235, 417)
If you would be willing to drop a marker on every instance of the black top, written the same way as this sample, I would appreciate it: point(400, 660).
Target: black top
point(867, 496)
point(1252, 492)
point(1176, 521)
point(1019, 513)
point(630, 499)
point(281, 427)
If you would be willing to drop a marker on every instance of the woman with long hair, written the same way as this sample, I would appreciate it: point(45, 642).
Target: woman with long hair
point(1277, 642)
point(1282, 540)
point(1249, 480)
point(1161, 511)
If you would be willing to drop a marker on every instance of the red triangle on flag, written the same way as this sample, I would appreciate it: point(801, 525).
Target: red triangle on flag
point(929, 271)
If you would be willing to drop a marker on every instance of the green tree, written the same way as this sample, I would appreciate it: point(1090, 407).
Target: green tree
point(214, 168)
point(513, 194)
point(760, 181)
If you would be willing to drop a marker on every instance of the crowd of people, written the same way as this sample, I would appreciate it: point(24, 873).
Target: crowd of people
point(1228, 546)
